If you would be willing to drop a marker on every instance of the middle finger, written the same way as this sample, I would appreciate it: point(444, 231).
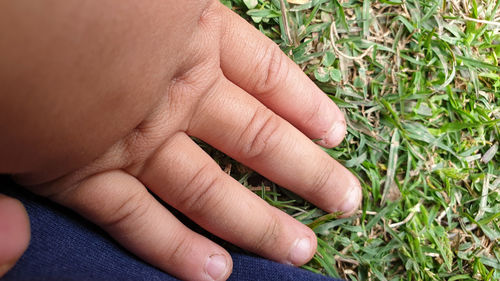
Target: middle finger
point(236, 123)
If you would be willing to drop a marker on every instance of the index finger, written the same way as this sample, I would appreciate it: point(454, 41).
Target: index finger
point(256, 64)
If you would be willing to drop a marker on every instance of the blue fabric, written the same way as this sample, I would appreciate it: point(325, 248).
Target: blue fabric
point(66, 247)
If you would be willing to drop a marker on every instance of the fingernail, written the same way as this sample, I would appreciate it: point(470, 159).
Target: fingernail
point(216, 267)
point(336, 134)
point(352, 200)
point(301, 251)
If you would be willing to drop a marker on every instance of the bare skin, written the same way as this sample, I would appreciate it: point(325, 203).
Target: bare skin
point(98, 101)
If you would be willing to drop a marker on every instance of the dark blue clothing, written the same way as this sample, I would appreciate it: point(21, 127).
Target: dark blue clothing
point(64, 246)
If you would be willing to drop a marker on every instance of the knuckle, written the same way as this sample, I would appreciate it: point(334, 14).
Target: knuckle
point(207, 12)
point(311, 115)
point(128, 212)
point(180, 251)
point(320, 180)
point(270, 237)
point(262, 134)
point(201, 193)
point(270, 72)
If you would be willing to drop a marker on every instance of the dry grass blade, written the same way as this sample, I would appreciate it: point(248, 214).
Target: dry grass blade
point(419, 83)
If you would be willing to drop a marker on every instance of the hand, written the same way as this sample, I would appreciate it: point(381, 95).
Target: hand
point(117, 89)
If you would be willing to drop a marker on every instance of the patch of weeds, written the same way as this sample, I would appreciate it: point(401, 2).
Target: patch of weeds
point(419, 83)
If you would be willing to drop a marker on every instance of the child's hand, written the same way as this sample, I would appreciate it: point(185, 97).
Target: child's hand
point(123, 85)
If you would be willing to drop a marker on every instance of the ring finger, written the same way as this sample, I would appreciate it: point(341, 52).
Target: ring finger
point(218, 203)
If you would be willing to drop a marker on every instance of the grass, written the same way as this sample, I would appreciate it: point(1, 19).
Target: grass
point(419, 83)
